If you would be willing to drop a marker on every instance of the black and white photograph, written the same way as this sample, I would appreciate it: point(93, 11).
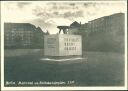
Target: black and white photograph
point(64, 44)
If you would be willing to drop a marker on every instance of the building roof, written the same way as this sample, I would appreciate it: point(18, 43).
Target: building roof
point(110, 16)
point(18, 24)
point(75, 24)
point(9, 26)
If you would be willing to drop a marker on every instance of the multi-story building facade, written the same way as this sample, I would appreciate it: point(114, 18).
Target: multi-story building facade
point(21, 35)
point(106, 23)
point(102, 34)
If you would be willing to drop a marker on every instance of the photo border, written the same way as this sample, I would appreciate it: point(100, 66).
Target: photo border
point(63, 88)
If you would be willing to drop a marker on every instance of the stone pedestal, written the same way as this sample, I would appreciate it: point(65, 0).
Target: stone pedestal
point(62, 45)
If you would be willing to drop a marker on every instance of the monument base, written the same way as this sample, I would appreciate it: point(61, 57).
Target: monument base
point(63, 57)
point(63, 60)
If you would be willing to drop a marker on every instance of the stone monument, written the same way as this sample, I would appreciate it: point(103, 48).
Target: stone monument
point(62, 44)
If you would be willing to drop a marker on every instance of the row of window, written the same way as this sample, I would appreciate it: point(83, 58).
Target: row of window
point(24, 35)
point(14, 43)
point(21, 38)
point(22, 29)
point(19, 33)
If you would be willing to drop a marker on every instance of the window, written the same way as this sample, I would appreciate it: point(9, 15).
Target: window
point(67, 48)
point(65, 44)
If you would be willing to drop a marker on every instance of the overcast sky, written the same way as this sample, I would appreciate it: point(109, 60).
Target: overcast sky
point(48, 15)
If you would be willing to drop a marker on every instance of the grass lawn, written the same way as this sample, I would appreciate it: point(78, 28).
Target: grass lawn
point(99, 69)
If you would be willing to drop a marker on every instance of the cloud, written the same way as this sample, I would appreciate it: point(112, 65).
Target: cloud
point(72, 4)
point(22, 4)
point(45, 26)
point(88, 4)
point(53, 10)
point(48, 15)
point(73, 14)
